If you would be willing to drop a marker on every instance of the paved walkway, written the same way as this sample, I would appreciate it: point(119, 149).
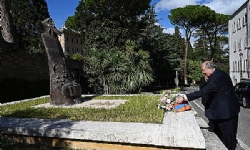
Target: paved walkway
point(212, 141)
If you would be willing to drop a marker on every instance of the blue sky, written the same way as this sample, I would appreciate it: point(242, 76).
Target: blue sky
point(60, 10)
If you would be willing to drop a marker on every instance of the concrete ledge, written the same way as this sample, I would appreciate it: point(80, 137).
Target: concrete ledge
point(86, 145)
point(179, 130)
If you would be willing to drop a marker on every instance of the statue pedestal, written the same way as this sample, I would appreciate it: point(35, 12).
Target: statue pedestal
point(178, 130)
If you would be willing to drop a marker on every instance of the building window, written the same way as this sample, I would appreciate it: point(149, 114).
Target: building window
point(245, 65)
point(69, 51)
point(234, 66)
point(238, 24)
point(77, 41)
point(67, 39)
point(245, 21)
point(238, 67)
point(72, 40)
point(239, 45)
point(234, 46)
point(245, 42)
point(234, 28)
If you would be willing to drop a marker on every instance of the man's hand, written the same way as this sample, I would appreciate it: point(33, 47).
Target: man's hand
point(179, 99)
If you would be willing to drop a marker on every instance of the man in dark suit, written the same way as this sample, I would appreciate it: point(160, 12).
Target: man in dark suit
point(222, 106)
point(204, 98)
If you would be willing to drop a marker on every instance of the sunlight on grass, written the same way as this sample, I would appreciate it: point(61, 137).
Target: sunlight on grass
point(141, 108)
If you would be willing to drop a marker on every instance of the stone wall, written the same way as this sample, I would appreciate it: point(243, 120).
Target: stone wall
point(24, 75)
point(20, 64)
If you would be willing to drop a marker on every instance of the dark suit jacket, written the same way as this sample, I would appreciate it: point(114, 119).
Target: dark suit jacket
point(202, 84)
point(222, 102)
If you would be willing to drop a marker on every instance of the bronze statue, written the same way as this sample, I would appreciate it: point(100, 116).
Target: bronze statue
point(63, 89)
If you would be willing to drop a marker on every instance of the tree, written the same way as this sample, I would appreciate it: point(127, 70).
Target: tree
point(194, 73)
point(117, 71)
point(27, 16)
point(201, 46)
point(214, 29)
point(176, 53)
point(107, 26)
point(77, 56)
point(179, 44)
point(212, 41)
point(189, 18)
point(126, 13)
point(122, 16)
point(164, 49)
point(136, 71)
point(221, 55)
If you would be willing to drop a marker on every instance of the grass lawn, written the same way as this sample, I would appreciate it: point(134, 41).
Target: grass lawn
point(141, 108)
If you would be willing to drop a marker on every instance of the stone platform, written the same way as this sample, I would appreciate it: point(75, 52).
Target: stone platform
point(107, 104)
point(178, 131)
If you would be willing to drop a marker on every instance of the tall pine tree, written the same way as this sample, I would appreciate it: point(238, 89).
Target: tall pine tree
point(27, 16)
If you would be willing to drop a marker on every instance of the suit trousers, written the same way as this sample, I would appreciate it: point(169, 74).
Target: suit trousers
point(226, 130)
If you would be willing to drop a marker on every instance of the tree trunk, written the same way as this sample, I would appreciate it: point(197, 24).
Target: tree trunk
point(185, 60)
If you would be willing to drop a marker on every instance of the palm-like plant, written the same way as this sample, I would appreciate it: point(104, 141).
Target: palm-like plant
point(132, 70)
point(117, 71)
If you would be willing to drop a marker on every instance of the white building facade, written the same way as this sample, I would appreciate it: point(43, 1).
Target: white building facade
point(239, 43)
point(70, 42)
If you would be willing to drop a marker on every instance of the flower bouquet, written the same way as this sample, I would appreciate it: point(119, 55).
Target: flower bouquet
point(168, 102)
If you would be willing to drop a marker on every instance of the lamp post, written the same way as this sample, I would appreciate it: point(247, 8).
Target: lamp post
point(241, 64)
point(176, 80)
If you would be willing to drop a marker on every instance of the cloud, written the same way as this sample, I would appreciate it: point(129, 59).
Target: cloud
point(220, 6)
point(168, 30)
point(225, 6)
point(163, 8)
point(172, 30)
point(171, 4)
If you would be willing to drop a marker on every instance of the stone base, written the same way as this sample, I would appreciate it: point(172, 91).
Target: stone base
point(107, 104)
point(88, 145)
point(178, 131)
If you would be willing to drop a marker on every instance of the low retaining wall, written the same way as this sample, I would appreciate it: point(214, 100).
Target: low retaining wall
point(178, 131)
